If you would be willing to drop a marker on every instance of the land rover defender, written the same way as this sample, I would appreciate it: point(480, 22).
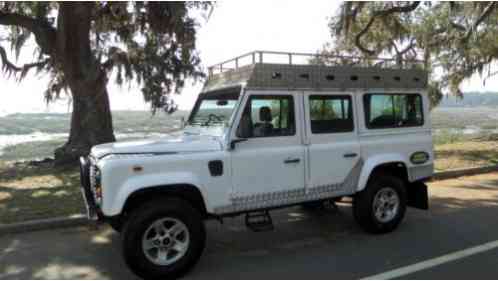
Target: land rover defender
point(262, 136)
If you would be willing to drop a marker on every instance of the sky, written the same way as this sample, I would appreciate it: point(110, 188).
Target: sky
point(234, 28)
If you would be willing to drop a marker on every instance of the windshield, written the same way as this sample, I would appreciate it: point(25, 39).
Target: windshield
point(213, 109)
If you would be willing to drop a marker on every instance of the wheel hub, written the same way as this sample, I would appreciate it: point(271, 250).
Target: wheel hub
point(386, 204)
point(165, 241)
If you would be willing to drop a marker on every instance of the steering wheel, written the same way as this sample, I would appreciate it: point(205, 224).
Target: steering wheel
point(212, 117)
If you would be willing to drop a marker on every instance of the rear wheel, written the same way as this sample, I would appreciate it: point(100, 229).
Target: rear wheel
point(381, 206)
point(164, 239)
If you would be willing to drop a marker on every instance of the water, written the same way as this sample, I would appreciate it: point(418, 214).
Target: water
point(10, 140)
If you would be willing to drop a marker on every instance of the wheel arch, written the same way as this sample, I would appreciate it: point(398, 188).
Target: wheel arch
point(184, 191)
point(116, 196)
point(393, 164)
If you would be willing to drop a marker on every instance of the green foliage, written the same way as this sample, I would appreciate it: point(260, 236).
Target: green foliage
point(149, 43)
point(454, 39)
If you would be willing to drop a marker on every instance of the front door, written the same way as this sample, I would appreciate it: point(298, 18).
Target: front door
point(333, 148)
point(268, 167)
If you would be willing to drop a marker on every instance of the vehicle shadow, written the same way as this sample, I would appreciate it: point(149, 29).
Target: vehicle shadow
point(75, 253)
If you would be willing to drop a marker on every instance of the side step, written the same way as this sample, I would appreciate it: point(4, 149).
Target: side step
point(259, 221)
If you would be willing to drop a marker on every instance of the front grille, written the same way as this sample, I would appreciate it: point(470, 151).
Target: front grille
point(89, 180)
point(95, 183)
point(93, 180)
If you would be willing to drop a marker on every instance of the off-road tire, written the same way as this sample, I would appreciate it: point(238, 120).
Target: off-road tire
point(363, 209)
point(138, 222)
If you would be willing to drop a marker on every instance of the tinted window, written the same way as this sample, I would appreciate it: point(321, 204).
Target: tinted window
point(331, 114)
point(267, 116)
point(392, 111)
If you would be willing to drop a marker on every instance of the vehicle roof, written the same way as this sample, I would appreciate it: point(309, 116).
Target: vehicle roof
point(326, 74)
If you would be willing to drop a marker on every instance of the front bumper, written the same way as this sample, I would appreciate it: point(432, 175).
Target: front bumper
point(93, 211)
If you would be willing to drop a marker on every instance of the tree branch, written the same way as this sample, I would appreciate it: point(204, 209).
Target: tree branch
point(44, 33)
point(383, 13)
point(485, 14)
point(9, 67)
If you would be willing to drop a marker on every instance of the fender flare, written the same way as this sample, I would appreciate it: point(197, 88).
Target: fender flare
point(143, 182)
point(375, 161)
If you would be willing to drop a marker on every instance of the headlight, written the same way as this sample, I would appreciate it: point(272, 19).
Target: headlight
point(96, 183)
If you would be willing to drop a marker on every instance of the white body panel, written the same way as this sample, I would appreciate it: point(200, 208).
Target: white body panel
point(254, 173)
point(119, 180)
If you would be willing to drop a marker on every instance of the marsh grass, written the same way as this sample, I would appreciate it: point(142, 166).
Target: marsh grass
point(465, 154)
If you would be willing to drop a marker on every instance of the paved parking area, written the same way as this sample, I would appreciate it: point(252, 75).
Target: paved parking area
point(304, 245)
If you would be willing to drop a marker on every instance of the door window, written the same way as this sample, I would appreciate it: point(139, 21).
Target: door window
point(267, 116)
point(331, 114)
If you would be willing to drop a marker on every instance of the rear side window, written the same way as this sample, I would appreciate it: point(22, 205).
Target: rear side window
point(331, 114)
point(393, 110)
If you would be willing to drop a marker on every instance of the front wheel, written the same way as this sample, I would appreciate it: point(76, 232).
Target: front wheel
point(381, 206)
point(164, 239)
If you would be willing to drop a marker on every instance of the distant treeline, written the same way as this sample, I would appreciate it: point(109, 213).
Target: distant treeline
point(471, 99)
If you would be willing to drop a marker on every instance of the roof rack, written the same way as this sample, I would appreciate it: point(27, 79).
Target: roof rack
point(293, 58)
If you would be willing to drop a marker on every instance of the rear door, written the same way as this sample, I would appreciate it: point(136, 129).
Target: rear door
point(333, 149)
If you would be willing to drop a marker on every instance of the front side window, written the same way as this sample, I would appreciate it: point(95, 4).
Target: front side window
point(213, 109)
point(393, 110)
point(331, 114)
point(267, 116)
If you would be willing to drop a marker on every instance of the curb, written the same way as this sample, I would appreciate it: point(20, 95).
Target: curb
point(43, 224)
point(81, 220)
point(464, 172)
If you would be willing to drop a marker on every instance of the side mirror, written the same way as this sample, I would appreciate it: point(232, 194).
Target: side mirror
point(235, 141)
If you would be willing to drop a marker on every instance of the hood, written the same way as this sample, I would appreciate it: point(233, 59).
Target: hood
point(166, 144)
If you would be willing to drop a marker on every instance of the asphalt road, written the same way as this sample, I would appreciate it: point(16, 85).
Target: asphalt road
point(304, 245)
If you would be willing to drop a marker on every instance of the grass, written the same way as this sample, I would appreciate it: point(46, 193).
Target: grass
point(465, 154)
point(446, 136)
point(28, 193)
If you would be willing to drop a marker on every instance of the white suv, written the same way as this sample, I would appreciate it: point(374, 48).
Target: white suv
point(264, 136)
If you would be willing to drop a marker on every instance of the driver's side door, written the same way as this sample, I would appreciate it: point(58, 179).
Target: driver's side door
point(268, 166)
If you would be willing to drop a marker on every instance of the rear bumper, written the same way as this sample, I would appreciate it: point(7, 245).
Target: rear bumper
point(93, 211)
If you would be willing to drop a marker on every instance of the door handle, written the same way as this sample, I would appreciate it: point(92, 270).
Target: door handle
point(292, 160)
point(350, 155)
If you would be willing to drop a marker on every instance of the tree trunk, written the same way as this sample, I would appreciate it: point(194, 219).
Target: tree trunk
point(91, 120)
